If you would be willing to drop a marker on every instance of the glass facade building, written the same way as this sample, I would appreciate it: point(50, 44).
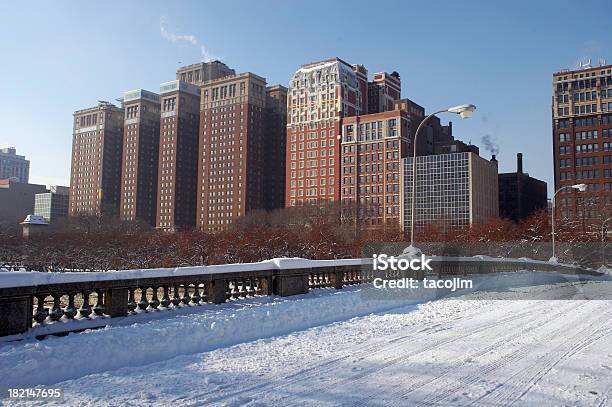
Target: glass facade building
point(51, 205)
point(453, 190)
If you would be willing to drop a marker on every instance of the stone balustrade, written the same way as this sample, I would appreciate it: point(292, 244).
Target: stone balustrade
point(33, 299)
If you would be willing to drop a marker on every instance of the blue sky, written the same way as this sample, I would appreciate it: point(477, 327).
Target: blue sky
point(62, 56)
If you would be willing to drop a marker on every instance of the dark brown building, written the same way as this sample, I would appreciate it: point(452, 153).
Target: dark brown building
point(97, 145)
point(519, 194)
point(140, 156)
point(582, 140)
point(383, 91)
point(275, 144)
point(231, 152)
point(178, 155)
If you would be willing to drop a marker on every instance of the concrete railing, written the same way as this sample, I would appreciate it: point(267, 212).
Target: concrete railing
point(58, 302)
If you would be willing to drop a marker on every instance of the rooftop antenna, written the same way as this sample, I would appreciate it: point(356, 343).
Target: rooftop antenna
point(602, 61)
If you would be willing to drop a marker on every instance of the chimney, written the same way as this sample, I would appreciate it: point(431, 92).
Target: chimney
point(519, 163)
point(493, 159)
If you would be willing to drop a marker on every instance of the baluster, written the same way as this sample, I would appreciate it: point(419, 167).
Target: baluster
point(175, 295)
point(242, 290)
point(154, 300)
point(41, 312)
point(56, 312)
point(165, 302)
point(235, 290)
point(132, 299)
point(252, 291)
point(99, 307)
point(186, 297)
point(195, 298)
point(144, 302)
point(85, 310)
point(70, 310)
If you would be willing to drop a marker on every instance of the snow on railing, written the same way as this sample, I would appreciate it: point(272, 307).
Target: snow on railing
point(43, 303)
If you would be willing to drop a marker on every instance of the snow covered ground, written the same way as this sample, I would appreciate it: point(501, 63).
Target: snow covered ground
point(342, 347)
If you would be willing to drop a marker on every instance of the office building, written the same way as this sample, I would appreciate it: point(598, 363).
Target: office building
point(582, 140)
point(178, 156)
point(97, 146)
point(53, 204)
point(13, 166)
point(201, 72)
point(519, 194)
point(231, 151)
point(320, 95)
point(275, 147)
point(453, 190)
point(383, 91)
point(16, 201)
point(140, 156)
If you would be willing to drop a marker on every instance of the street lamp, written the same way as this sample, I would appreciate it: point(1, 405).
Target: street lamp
point(579, 187)
point(603, 241)
point(465, 111)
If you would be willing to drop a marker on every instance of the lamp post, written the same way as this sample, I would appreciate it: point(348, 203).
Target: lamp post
point(465, 111)
point(603, 241)
point(579, 187)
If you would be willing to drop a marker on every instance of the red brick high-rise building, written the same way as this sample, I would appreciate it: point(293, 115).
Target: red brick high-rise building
point(178, 155)
point(231, 150)
point(320, 95)
point(97, 144)
point(582, 140)
point(383, 91)
point(140, 156)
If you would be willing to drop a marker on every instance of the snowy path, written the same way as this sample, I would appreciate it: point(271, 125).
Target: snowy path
point(452, 352)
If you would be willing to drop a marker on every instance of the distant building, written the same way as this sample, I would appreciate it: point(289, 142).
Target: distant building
point(519, 194)
point(140, 156)
point(17, 201)
point(97, 146)
point(178, 156)
point(231, 152)
point(52, 205)
point(275, 146)
point(13, 166)
point(201, 72)
point(453, 190)
point(582, 141)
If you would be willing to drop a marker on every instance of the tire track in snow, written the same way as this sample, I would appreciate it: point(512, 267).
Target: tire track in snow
point(398, 342)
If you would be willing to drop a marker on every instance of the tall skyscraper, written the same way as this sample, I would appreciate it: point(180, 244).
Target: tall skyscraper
point(140, 156)
point(582, 140)
point(201, 72)
point(97, 145)
point(275, 146)
point(383, 91)
point(320, 95)
point(178, 155)
point(13, 166)
point(231, 151)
